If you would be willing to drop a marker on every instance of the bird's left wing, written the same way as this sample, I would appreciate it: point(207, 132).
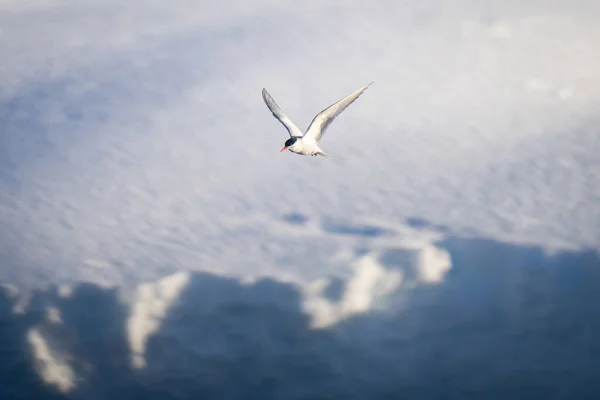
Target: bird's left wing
point(319, 124)
point(280, 115)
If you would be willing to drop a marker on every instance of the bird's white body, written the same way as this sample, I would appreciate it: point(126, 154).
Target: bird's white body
point(307, 143)
point(305, 148)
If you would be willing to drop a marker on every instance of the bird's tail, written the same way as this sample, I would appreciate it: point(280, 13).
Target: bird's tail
point(334, 158)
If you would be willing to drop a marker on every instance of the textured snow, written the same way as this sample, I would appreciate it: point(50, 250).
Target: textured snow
point(149, 226)
point(373, 282)
point(135, 142)
point(150, 307)
point(52, 367)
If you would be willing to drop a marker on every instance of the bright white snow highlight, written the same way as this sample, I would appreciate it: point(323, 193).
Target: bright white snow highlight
point(52, 366)
point(374, 283)
point(150, 305)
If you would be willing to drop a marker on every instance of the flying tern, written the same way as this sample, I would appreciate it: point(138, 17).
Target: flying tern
point(307, 143)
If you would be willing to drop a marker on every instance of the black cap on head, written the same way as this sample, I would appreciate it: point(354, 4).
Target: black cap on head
point(290, 142)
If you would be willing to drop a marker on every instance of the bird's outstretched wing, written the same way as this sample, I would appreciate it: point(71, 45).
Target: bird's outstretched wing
point(280, 115)
point(319, 124)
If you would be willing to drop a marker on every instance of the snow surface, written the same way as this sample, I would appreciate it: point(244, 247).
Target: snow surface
point(146, 213)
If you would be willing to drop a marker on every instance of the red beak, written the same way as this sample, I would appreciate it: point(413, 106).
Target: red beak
point(284, 148)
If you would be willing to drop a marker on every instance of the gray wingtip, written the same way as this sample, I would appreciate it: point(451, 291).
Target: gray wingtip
point(265, 95)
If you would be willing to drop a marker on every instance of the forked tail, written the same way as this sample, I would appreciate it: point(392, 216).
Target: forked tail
point(329, 156)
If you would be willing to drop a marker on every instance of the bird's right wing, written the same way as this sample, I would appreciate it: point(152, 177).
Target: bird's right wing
point(280, 115)
point(319, 124)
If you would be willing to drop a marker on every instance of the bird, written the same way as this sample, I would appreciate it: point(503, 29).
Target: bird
point(307, 144)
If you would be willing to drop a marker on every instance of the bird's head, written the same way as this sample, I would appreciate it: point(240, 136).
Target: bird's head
point(288, 143)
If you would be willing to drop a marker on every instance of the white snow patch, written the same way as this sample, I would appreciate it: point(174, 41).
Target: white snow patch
point(374, 283)
point(432, 264)
point(20, 298)
point(370, 282)
point(53, 315)
point(51, 365)
point(151, 304)
point(65, 291)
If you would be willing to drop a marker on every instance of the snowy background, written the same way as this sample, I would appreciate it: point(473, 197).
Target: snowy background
point(154, 243)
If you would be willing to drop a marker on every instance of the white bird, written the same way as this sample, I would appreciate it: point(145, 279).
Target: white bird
point(307, 143)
